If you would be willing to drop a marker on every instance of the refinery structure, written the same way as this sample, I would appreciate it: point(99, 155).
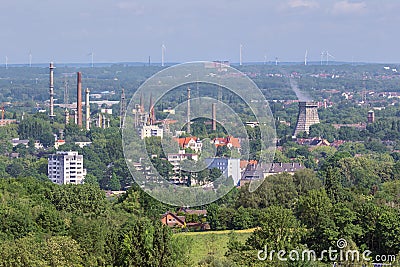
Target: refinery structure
point(74, 113)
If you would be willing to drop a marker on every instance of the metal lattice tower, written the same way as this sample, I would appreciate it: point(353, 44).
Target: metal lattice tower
point(122, 109)
point(51, 91)
point(66, 93)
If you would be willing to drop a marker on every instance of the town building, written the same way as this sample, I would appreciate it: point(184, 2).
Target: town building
point(228, 166)
point(192, 142)
point(58, 143)
point(176, 158)
point(25, 142)
point(151, 130)
point(66, 168)
point(180, 219)
point(259, 171)
point(4, 122)
point(228, 141)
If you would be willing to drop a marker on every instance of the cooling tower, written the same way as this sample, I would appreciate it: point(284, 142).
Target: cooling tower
point(308, 115)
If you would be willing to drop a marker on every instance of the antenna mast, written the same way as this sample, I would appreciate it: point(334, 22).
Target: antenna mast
point(188, 110)
point(51, 91)
point(66, 97)
point(123, 109)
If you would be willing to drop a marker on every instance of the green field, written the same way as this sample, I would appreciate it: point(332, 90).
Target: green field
point(211, 242)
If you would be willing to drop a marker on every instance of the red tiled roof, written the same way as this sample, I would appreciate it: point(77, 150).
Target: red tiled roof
point(183, 141)
point(244, 163)
point(227, 140)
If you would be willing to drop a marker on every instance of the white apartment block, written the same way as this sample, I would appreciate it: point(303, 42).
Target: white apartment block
point(66, 168)
point(228, 167)
point(176, 158)
point(151, 130)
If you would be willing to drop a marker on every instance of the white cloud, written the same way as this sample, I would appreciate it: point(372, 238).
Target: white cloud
point(346, 7)
point(303, 3)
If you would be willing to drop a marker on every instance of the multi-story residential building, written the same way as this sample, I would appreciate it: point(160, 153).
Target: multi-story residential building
point(228, 167)
point(176, 158)
point(66, 168)
point(151, 130)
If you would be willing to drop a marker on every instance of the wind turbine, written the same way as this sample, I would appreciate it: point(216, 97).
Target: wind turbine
point(6, 63)
point(240, 54)
point(276, 61)
point(92, 54)
point(265, 59)
point(163, 50)
point(322, 56)
point(327, 57)
point(30, 58)
point(305, 58)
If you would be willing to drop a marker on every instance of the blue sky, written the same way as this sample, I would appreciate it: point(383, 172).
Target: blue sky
point(133, 30)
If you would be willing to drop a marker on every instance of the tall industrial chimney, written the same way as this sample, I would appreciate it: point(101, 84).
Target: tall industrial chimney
point(152, 115)
point(51, 114)
point(79, 99)
point(87, 104)
point(214, 116)
point(188, 110)
point(308, 115)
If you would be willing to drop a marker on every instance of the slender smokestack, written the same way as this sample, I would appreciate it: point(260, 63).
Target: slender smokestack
point(188, 110)
point(214, 117)
point(51, 115)
point(87, 104)
point(152, 116)
point(79, 98)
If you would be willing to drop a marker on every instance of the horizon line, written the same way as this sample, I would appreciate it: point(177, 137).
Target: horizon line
point(158, 64)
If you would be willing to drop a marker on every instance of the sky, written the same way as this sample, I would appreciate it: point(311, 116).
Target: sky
point(132, 30)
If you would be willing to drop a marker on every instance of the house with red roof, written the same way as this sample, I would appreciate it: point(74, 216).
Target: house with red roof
point(228, 141)
point(191, 142)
